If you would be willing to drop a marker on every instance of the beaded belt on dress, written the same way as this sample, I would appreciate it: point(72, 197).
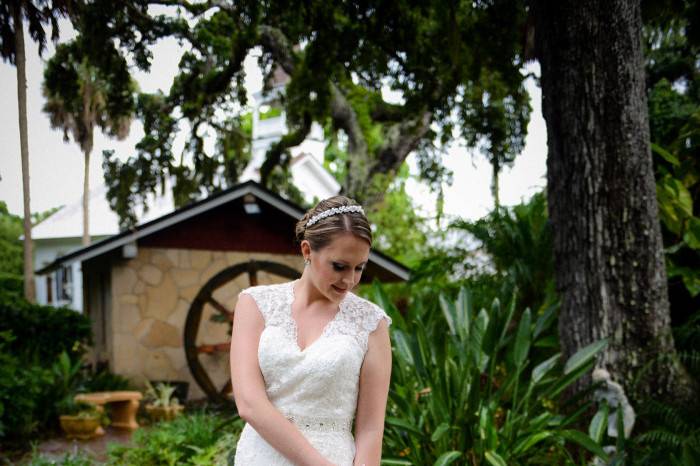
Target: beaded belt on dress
point(321, 424)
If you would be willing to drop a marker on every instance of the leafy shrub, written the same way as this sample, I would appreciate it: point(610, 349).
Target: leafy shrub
point(193, 439)
point(465, 389)
point(21, 387)
point(11, 284)
point(102, 380)
point(42, 332)
point(69, 459)
point(672, 437)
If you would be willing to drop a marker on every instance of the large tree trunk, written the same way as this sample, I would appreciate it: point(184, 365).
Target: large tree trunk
point(29, 286)
point(86, 201)
point(610, 269)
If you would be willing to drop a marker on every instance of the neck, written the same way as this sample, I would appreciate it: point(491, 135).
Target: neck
point(307, 294)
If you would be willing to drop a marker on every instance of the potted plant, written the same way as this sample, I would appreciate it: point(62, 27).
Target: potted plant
point(81, 420)
point(161, 405)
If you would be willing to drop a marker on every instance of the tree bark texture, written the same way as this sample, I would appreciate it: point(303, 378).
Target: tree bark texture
point(29, 286)
point(86, 143)
point(609, 261)
point(86, 201)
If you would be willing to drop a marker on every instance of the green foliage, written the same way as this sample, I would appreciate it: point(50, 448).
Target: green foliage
point(11, 249)
point(81, 96)
point(518, 242)
point(399, 229)
point(102, 380)
point(161, 394)
point(10, 244)
point(673, 83)
point(40, 353)
point(194, 439)
point(465, 387)
point(672, 437)
point(455, 66)
point(42, 333)
point(68, 459)
point(21, 386)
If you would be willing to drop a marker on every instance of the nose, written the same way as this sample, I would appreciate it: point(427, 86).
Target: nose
point(349, 278)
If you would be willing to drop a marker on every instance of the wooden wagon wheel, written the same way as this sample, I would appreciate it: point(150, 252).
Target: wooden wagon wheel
point(197, 353)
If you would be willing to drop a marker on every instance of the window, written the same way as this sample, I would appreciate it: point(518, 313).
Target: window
point(49, 289)
point(64, 282)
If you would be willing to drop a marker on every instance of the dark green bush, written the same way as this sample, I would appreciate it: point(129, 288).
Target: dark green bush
point(192, 439)
point(42, 332)
point(467, 387)
point(40, 364)
point(11, 284)
point(21, 387)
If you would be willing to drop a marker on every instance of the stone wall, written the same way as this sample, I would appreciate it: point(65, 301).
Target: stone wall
point(151, 296)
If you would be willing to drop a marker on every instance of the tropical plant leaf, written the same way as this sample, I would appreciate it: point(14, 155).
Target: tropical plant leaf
point(584, 355)
point(522, 340)
point(494, 458)
point(447, 458)
point(586, 442)
point(439, 431)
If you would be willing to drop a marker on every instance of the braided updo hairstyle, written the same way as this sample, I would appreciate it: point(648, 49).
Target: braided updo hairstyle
point(321, 233)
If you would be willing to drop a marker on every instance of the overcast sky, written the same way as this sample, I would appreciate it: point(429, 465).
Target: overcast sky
point(56, 167)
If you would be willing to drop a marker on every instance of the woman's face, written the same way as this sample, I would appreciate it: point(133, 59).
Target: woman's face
point(337, 268)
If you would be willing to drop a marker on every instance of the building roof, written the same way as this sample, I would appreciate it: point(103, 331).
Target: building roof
point(235, 193)
point(68, 221)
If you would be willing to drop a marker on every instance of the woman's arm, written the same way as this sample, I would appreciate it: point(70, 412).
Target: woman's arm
point(371, 402)
point(249, 389)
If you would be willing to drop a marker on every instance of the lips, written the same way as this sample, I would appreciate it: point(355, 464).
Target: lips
point(339, 290)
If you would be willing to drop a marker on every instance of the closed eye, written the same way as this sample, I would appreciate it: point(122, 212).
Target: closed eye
point(340, 267)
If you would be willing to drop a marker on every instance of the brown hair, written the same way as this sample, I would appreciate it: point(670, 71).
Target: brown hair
point(321, 233)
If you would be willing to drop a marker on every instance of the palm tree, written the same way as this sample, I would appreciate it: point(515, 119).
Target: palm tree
point(38, 14)
point(81, 96)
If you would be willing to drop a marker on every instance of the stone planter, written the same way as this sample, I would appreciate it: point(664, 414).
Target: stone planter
point(163, 413)
point(80, 427)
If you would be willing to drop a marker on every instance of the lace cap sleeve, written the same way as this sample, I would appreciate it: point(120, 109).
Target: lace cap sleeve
point(374, 316)
point(258, 294)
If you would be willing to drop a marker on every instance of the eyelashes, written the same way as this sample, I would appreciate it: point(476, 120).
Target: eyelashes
point(340, 268)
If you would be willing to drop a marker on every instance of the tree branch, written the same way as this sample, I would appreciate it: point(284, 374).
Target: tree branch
point(273, 157)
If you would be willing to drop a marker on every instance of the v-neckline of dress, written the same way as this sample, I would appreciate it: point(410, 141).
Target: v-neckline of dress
point(295, 327)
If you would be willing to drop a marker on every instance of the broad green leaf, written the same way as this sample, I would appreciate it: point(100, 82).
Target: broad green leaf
point(397, 422)
point(403, 348)
point(545, 320)
point(487, 428)
point(584, 355)
point(666, 155)
point(448, 310)
point(692, 234)
point(393, 461)
point(492, 329)
point(524, 445)
point(567, 379)
point(464, 312)
point(439, 431)
point(586, 442)
point(447, 458)
point(522, 340)
point(495, 459)
point(545, 366)
point(598, 424)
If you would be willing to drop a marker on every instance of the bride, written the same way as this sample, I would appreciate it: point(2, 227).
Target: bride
point(309, 358)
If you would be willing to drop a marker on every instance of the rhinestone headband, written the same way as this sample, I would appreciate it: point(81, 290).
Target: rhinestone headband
point(334, 211)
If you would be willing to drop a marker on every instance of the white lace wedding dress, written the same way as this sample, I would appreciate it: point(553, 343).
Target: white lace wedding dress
point(316, 388)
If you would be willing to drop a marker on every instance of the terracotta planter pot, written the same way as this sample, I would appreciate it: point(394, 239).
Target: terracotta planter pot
point(163, 413)
point(82, 428)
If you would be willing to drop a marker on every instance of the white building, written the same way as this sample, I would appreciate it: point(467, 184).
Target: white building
point(61, 233)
